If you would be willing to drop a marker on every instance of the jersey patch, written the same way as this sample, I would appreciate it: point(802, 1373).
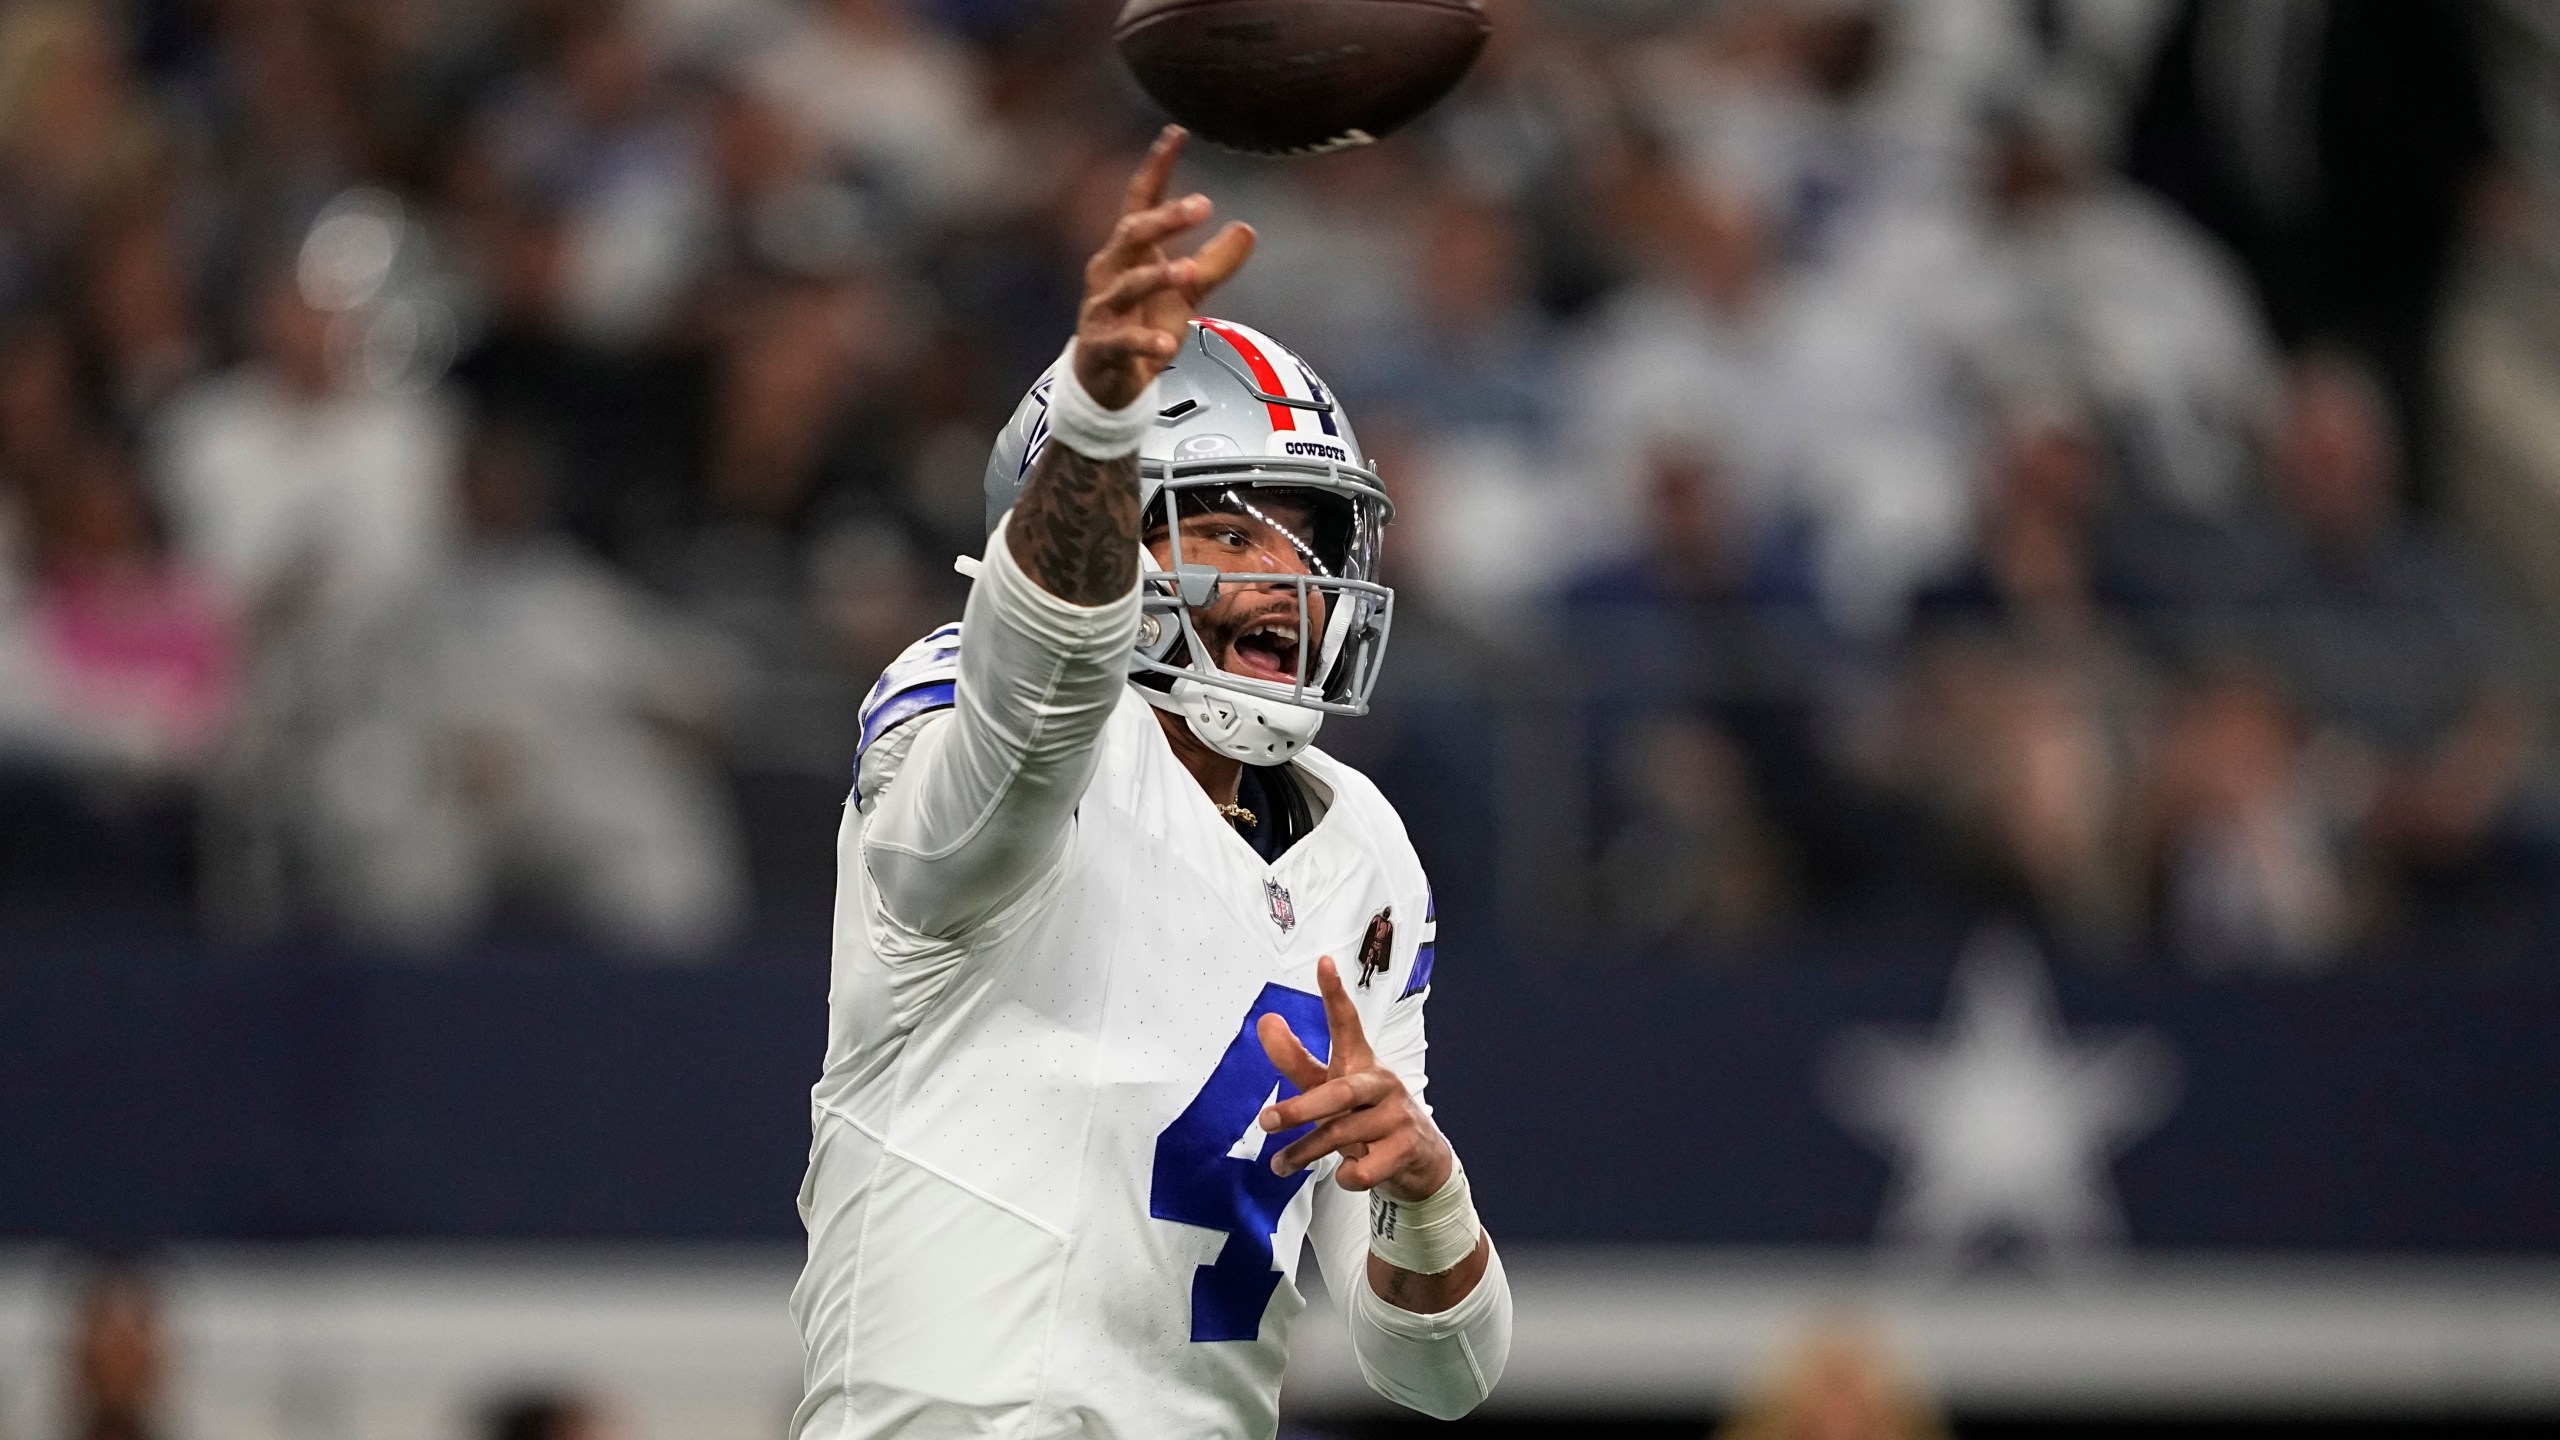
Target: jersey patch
point(1378, 946)
point(1284, 911)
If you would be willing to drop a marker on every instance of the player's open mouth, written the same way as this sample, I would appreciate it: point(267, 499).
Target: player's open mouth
point(1267, 650)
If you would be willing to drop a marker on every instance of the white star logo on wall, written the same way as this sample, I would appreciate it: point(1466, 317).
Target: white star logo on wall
point(2000, 1126)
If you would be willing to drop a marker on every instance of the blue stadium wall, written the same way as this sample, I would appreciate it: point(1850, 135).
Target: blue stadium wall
point(154, 1090)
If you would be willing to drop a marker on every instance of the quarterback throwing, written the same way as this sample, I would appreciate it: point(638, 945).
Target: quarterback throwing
point(1127, 1004)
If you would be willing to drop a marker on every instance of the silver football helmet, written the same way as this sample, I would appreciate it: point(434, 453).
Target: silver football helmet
point(1244, 428)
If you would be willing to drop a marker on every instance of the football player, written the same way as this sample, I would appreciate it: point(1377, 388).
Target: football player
point(1128, 984)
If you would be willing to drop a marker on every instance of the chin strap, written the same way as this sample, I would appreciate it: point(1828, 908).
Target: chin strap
point(1241, 727)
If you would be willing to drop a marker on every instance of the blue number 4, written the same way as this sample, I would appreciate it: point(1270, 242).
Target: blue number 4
point(1198, 1181)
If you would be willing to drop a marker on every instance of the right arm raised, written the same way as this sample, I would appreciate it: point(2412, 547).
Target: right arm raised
point(984, 797)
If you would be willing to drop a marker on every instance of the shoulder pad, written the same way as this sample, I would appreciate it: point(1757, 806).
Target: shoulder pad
point(923, 679)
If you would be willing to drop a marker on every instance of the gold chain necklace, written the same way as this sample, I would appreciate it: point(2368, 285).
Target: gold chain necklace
point(1238, 816)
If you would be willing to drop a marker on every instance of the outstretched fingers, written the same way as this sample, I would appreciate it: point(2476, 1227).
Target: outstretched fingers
point(1289, 1055)
point(1355, 1091)
point(1146, 187)
point(1221, 258)
point(1134, 286)
point(1139, 237)
point(1351, 1134)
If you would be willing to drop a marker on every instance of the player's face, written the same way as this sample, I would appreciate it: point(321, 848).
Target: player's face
point(1253, 630)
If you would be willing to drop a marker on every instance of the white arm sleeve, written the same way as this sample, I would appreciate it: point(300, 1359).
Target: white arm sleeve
point(984, 798)
point(1443, 1365)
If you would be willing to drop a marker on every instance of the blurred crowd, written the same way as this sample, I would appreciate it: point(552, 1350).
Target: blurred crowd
point(119, 1359)
point(1836, 1375)
point(1860, 463)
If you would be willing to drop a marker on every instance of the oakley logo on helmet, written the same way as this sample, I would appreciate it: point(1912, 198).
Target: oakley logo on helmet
point(1206, 447)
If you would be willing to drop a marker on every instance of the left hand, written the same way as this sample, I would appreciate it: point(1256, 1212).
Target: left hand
point(1361, 1108)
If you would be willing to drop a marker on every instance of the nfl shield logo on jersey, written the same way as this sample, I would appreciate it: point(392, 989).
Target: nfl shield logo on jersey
point(1283, 913)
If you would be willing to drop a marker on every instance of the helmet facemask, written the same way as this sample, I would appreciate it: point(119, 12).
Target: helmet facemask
point(1301, 538)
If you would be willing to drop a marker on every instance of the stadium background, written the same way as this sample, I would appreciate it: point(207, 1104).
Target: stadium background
point(1975, 579)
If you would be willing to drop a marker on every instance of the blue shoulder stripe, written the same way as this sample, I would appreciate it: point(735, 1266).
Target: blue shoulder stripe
point(903, 707)
point(1421, 978)
point(925, 678)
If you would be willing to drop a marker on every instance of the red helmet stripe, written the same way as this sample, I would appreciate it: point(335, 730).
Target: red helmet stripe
point(1283, 417)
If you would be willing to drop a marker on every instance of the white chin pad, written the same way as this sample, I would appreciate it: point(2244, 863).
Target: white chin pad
point(1245, 727)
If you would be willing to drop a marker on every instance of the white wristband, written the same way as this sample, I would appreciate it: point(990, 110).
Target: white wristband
point(1079, 422)
point(1427, 1237)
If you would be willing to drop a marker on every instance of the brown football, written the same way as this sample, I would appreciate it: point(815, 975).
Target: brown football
point(1298, 77)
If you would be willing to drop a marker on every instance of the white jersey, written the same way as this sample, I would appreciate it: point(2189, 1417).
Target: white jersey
point(1038, 1202)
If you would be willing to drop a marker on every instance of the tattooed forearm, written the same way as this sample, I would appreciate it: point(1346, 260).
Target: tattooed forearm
point(1075, 529)
point(1428, 1294)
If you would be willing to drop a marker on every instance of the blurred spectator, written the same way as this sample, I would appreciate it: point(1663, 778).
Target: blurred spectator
point(2386, 640)
point(121, 658)
point(117, 663)
point(1478, 355)
point(2105, 290)
point(290, 128)
point(2244, 842)
point(598, 136)
point(2333, 144)
point(1701, 697)
point(118, 1361)
point(527, 724)
point(807, 375)
point(1837, 1383)
point(547, 1417)
point(2026, 697)
point(627, 425)
point(2034, 569)
point(1534, 103)
point(785, 207)
point(2023, 759)
point(41, 427)
point(889, 95)
point(138, 310)
point(1469, 379)
point(81, 145)
point(1837, 391)
point(1809, 108)
point(875, 594)
point(1690, 351)
point(312, 500)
